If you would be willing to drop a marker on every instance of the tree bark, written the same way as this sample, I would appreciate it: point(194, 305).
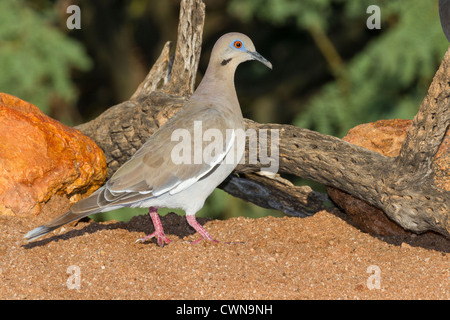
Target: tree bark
point(402, 187)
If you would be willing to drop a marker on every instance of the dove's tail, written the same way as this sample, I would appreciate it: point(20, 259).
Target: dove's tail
point(69, 216)
point(79, 210)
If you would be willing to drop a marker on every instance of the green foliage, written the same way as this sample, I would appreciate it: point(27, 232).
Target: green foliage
point(305, 13)
point(35, 57)
point(388, 78)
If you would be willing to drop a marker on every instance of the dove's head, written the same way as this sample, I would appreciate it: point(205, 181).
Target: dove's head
point(233, 48)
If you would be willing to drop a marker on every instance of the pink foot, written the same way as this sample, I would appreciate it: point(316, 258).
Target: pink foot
point(159, 232)
point(194, 224)
point(160, 238)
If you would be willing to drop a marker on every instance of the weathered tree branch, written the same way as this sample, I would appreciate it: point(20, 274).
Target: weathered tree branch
point(159, 75)
point(275, 193)
point(402, 187)
point(365, 174)
point(428, 129)
point(189, 46)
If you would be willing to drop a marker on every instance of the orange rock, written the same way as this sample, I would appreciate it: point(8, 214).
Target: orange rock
point(386, 137)
point(40, 157)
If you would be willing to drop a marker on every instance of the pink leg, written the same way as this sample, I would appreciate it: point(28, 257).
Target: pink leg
point(194, 224)
point(159, 232)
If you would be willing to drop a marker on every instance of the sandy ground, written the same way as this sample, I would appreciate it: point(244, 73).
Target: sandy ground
point(320, 257)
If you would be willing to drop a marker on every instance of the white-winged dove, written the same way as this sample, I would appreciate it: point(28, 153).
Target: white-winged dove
point(155, 177)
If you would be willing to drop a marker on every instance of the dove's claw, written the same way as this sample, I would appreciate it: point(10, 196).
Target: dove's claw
point(159, 232)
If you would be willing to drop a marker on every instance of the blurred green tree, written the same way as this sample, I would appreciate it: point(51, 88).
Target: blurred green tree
point(36, 58)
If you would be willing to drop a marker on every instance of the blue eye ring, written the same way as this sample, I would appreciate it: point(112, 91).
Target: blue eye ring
point(237, 45)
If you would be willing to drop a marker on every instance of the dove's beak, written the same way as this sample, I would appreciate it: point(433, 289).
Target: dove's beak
point(256, 56)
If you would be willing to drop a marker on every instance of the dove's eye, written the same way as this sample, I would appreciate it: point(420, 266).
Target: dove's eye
point(237, 44)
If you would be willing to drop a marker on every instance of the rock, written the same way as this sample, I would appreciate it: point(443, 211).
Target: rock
point(40, 157)
point(386, 137)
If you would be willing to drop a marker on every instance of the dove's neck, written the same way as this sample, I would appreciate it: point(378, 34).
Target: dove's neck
point(217, 87)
